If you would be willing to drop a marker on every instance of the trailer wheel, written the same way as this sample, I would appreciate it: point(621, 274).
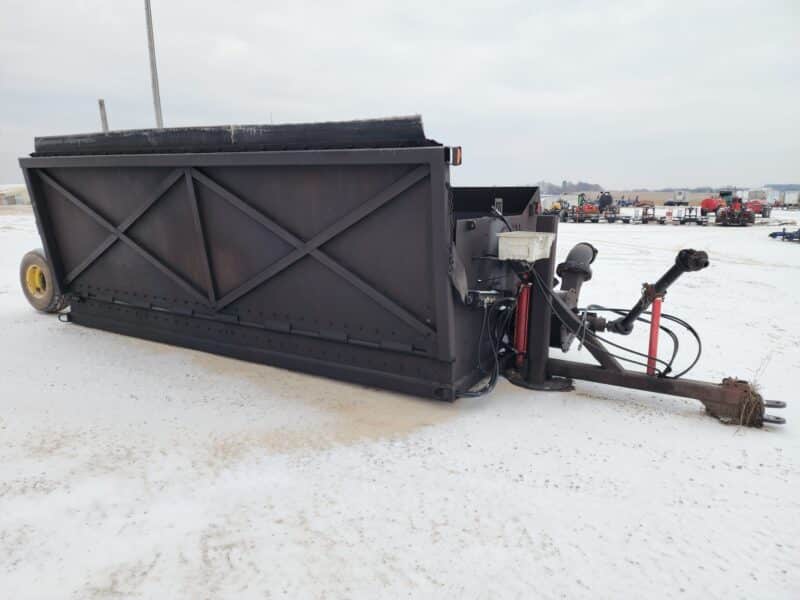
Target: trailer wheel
point(36, 278)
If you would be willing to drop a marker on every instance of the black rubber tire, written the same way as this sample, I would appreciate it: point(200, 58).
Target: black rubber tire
point(46, 300)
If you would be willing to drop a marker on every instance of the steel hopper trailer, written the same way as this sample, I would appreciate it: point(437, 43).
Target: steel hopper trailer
point(338, 249)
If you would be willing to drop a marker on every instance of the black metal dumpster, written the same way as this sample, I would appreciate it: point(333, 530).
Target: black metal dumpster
point(327, 248)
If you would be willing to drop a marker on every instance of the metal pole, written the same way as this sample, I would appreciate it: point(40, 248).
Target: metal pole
point(153, 69)
point(103, 117)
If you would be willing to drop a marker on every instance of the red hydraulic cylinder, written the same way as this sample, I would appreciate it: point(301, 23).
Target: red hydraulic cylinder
point(521, 325)
point(652, 351)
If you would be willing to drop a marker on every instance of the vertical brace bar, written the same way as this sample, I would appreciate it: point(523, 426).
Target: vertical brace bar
point(540, 313)
point(440, 248)
point(201, 238)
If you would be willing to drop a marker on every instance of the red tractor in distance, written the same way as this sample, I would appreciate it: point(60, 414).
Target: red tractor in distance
point(713, 203)
point(734, 212)
point(584, 211)
point(726, 198)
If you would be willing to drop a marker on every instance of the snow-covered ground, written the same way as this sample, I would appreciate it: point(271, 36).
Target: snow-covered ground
point(130, 469)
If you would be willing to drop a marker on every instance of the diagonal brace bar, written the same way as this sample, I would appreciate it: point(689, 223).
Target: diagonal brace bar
point(160, 190)
point(117, 233)
point(311, 246)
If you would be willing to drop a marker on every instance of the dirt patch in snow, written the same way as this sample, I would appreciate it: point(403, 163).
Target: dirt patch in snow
point(349, 414)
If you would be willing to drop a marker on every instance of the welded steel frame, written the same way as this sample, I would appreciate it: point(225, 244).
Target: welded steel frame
point(187, 169)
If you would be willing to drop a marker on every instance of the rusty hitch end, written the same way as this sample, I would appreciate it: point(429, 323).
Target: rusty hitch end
point(733, 401)
point(739, 403)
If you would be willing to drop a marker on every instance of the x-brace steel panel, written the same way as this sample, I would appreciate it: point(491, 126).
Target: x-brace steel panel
point(302, 248)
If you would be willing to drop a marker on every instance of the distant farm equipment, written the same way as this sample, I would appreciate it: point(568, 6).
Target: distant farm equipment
point(647, 214)
point(613, 214)
point(584, 211)
point(786, 236)
point(712, 204)
point(735, 212)
point(605, 201)
point(759, 208)
point(730, 209)
point(690, 214)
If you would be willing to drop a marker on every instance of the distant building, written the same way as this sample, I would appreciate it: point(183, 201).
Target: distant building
point(782, 196)
point(791, 197)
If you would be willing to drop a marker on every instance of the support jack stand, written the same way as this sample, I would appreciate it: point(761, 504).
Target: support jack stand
point(550, 384)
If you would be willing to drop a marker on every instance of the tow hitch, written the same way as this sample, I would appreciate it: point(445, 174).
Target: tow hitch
point(732, 401)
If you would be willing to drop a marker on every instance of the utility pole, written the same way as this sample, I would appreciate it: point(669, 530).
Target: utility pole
point(103, 117)
point(153, 70)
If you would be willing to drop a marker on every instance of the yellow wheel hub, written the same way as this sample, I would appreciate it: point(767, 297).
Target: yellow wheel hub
point(35, 281)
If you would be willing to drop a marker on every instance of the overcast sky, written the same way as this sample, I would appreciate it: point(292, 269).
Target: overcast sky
point(624, 94)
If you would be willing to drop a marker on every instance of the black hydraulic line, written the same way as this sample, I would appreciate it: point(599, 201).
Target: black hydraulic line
point(667, 330)
point(495, 341)
point(669, 317)
point(576, 270)
point(494, 212)
point(696, 336)
point(686, 260)
point(480, 337)
point(589, 338)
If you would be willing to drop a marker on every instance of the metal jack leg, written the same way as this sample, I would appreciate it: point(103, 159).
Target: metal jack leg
point(533, 373)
